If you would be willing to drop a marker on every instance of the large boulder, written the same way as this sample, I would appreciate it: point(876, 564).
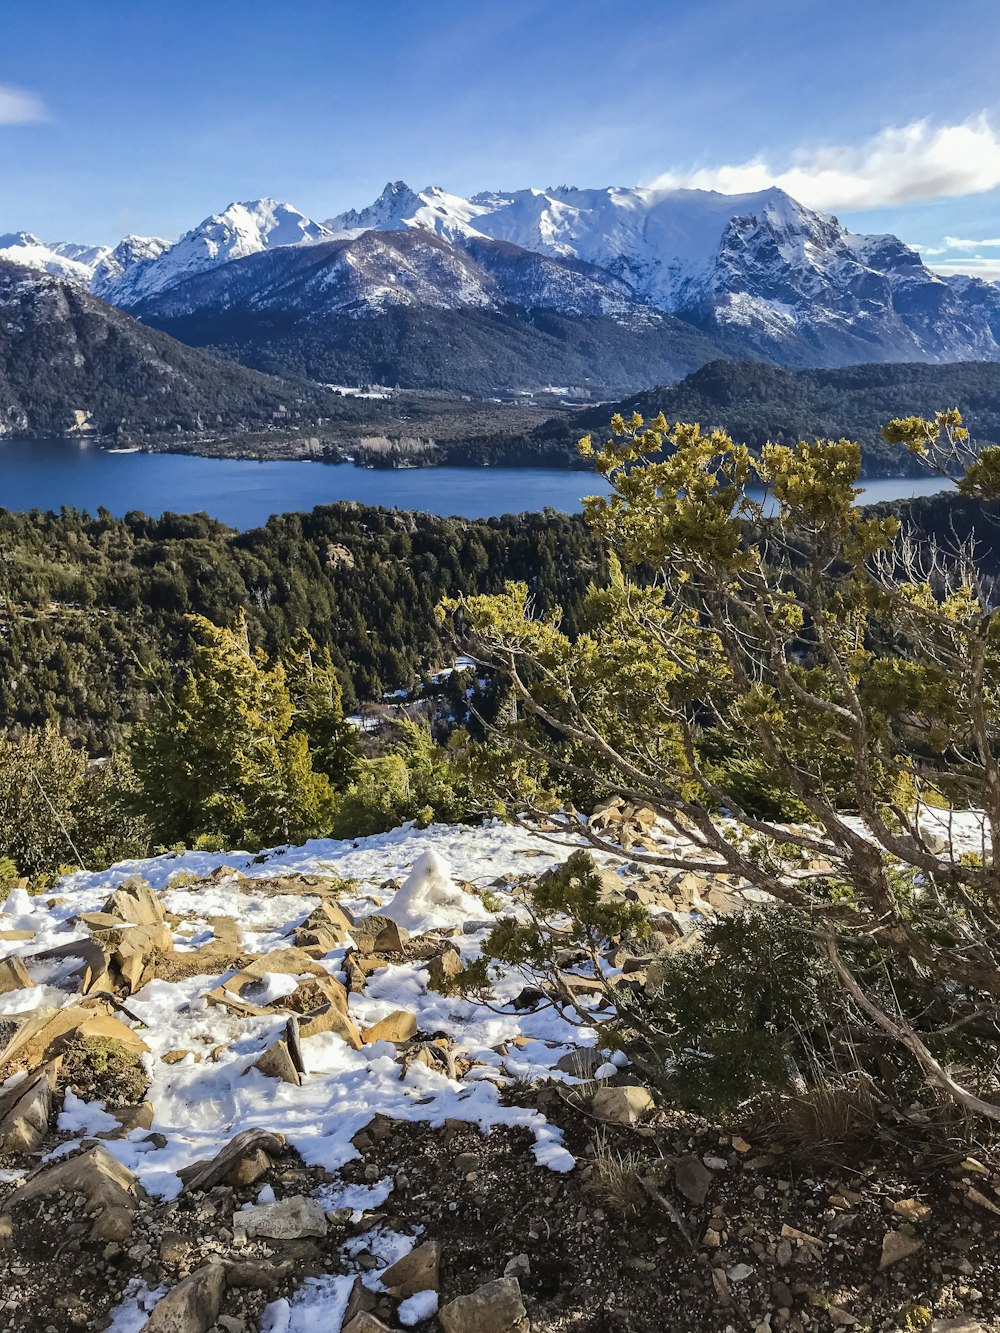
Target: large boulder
point(109, 1191)
point(25, 1109)
point(495, 1307)
point(193, 1305)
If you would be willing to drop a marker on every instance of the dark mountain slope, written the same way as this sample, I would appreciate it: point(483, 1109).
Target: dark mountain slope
point(68, 361)
point(413, 310)
point(757, 402)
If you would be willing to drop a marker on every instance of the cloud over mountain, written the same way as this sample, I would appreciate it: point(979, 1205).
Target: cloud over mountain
point(899, 165)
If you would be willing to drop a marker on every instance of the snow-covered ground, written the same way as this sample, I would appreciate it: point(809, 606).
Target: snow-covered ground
point(204, 1099)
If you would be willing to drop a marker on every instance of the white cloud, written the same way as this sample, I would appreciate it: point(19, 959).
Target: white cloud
point(959, 243)
point(898, 165)
point(18, 107)
point(977, 267)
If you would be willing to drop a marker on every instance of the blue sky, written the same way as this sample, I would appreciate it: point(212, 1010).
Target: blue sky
point(125, 115)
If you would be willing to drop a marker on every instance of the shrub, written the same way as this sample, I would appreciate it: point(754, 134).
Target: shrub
point(417, 781)
point(848, 669)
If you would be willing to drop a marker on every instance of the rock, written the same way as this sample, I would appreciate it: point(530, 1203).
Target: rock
point(495, 1307)
point(417, 1271)
point(581, 1062)
point(25, 1109)
point(443, 968)
point(397, 1026)
point(363, 1322)
point(693, 1179)
point(202, 1176)
point(962, 1323)
point(379, 934)
point(91, 963)
point(897, 1246)
point(109, 1190)
point(257, 1274)
point(518, 1267)
point(295, 1045)
point(44, 1033)
point(330, 1018)
point(621, 1105)
point(840, 1318)
point(739, 1272)
point(360, 1301)
point(13, 975)
point(911, 1210)
point(225, 933)
point(313, 994)
point(137, 1116)
point(134, 901)
point(277, 1062)
point(193, 1305)
point(248, 1169)
point(288, 1219)
point(329, 916)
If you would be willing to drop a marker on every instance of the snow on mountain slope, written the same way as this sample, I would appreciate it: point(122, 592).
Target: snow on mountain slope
point(63, 259)
point(660, 241)
point(760, 274)
point(240, 230)
point(786, 282)
point(377, 269)
point(117, 273)
point(399, 207)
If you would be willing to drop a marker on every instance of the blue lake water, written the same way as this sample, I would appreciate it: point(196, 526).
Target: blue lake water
point(48, 474)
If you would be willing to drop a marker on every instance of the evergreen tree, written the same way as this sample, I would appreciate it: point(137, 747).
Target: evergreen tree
point(222, 760)
point(318, 708)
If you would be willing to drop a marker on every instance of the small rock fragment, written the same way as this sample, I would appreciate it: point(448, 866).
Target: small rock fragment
point(288, 1219)
point(417, 1271)
point(897, 1246)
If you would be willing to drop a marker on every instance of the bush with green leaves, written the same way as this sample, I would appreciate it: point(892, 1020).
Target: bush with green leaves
point(855, 668)
point(417, 780)
point(57, 809)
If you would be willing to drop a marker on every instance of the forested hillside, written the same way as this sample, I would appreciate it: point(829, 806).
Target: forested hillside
point(94, 607)
point(68, 361)
point(757, 402)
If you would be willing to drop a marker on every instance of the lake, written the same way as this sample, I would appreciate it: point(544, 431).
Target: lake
point(47, 474)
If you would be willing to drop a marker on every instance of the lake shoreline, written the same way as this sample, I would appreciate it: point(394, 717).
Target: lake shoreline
point(336, 455)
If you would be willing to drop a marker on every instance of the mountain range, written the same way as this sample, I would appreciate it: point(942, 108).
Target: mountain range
point(594, 291)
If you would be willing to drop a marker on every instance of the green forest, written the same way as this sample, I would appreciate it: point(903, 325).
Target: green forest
point(94, 607)
point(756, 402)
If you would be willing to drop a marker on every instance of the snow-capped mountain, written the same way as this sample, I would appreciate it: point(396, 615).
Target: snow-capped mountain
point(63, 259)
point(787, 282)
point(411, 308)
point(131, 256)
point(756, 275)
point(240, 230)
